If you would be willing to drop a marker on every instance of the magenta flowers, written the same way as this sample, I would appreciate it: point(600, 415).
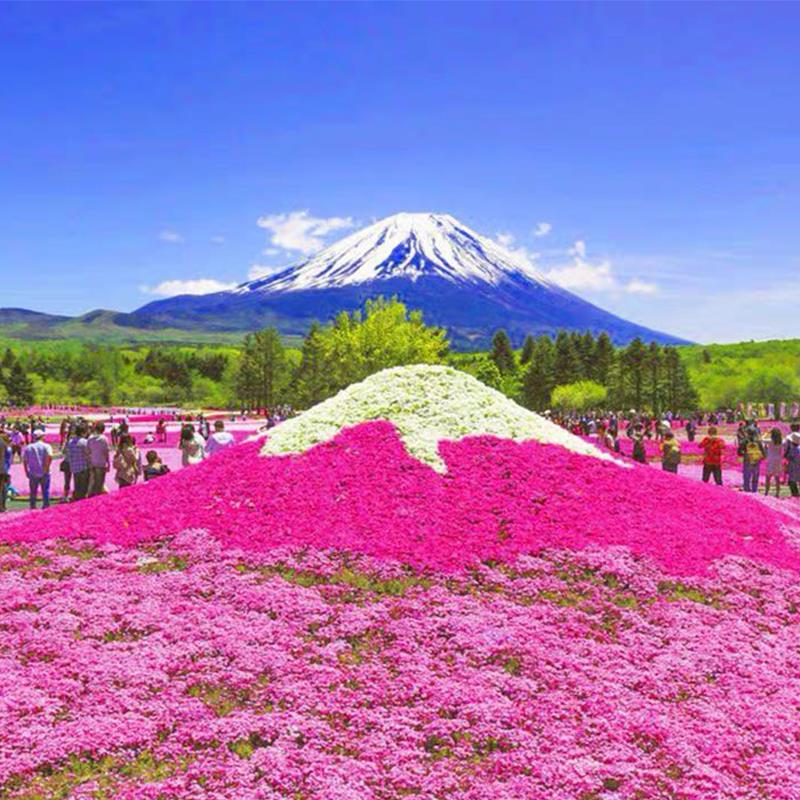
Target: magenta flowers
point(350, 623)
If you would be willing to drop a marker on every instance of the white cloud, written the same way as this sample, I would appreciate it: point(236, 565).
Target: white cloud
point(196, 286)
point(301, 232)
point(505, 239)
point(173, 237)
point(578, 249)
point(217, 240)
point(637, 286)
point(257, 271)
point(525, 258)
point(542, 229)
point(582, 274)
point(270, 251)
point(597, 276)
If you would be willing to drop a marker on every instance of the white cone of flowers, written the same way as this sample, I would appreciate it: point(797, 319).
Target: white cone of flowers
point(426, 404)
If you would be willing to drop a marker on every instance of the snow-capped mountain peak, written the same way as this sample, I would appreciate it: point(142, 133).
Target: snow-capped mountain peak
point(405, 245)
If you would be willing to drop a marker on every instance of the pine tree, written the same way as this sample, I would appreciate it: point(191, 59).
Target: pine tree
point(527, 350)
point(679, 394)
point(538, 383)
point(566, 364)
point(585, 345)
point(263, 370)
point(18, 386)
point(632, 372)
point(311, 382)
point(502, 354)
point(603, 360)
point(654, 388)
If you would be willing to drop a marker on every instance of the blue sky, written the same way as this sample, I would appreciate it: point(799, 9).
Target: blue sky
point(140, 145)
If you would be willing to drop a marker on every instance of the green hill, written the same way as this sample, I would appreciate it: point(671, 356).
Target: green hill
point(725, 374)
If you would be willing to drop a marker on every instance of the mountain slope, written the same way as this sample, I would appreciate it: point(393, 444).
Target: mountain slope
point(461, 280)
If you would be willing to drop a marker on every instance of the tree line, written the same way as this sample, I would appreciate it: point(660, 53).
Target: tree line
point(574, 368)
point(641, 376)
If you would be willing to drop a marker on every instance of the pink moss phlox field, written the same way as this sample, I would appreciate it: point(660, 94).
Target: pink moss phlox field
point(363, 493)
point(190, 670)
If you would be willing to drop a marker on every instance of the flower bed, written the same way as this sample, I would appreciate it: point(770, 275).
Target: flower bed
point(414, 608)
point(363, 492)
point(192, 670)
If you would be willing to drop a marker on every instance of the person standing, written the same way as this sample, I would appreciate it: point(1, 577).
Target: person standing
point(774, 448)
point(219, 440)
point(36, 459)
point(670, 453)
point(712, 447)
point(127, 462)
point(192, 446)
point(5, 468)
point(752, 451)
point(791, 453)
point(77, 456)
point(99, 460)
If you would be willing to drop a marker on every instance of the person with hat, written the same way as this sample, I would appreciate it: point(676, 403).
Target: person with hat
point(36, 459)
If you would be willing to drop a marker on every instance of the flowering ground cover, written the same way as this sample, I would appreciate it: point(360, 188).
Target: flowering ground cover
point(188, 669)
point(405, 607)
point(498, 499)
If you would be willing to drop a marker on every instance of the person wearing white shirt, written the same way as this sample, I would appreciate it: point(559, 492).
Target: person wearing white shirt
point(219, 440)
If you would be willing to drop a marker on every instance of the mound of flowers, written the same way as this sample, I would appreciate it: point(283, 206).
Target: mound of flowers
point(510, 614)
point(427, 405)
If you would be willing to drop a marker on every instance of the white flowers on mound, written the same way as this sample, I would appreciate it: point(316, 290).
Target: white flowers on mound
point(426, 404)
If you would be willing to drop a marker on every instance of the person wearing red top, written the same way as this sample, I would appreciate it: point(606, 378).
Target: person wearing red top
point(712, 447)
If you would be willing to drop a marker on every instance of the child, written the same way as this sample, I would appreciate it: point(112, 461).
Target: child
point(154, 468)
point(774, 448)
point(670, 452)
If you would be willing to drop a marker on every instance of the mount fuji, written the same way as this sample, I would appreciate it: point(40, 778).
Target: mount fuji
point(459, 279)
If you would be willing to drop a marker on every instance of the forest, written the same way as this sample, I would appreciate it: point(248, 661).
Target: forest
point(569, 371)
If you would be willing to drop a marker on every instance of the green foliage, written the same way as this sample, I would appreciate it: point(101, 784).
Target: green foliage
point(17, 385)
point(567, 366)
point(579, 396)
point(358, 344)
point(527, 350)
point(539, 380)
point(264, 371)
point(502, 354)
point(727, 374)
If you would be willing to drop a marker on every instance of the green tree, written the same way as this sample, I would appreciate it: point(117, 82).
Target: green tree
point(488, 373)
point(311, 381)
point(18, 386)
point(527, 350)
point(603, 359)
point(538, 382)
point(653, 373)
point(502, 353)
point(384, 335)
point(263, 370)
point(578, 396)
point(585, 346)
point(633, 364)
point(566, 364)
point(774, 385)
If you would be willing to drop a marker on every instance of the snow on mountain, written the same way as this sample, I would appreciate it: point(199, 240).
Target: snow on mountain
point(459, 280)
point(410, 246)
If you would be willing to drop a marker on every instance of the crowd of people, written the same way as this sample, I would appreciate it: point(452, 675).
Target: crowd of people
point(778, 455)
point(89, 454)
